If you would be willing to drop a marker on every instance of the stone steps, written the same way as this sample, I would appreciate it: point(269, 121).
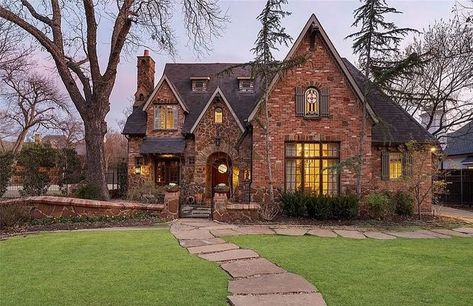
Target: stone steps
point(195, 211)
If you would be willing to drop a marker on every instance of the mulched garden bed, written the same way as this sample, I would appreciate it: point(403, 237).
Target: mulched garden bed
point(397, 223)
point(137, 220)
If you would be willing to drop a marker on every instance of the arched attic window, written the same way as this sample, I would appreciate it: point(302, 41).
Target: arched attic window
point(311, 102)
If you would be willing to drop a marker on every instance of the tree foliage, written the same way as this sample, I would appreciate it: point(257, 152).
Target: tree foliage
point(69, 32)
point(438, 92)
point(6, 170)
point(375, 40)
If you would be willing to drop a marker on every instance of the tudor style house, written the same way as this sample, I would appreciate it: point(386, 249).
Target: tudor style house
point(199, 128)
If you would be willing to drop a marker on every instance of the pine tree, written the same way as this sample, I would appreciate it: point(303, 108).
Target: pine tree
point(265, 67)
point(375, 41)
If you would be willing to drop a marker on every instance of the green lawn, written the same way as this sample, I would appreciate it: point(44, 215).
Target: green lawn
point(372, 272)
point(144, 267)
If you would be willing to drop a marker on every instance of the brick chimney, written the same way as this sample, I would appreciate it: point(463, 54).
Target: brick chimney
point(145, 79)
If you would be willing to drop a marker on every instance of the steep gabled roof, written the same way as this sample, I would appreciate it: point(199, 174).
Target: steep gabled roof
point(461, 141)
point(395, 124)
point(311, 23)
point(173, 89)
point(242, 103)
point(218, 92)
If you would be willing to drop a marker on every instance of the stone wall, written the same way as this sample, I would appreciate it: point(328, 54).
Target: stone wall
point(56, 207)
point(225, 211)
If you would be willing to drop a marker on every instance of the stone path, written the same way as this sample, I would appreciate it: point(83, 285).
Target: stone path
point(462, 214)
point(255, 280)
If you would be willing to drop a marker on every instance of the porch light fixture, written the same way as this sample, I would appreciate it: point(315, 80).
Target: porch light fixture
point(138, 165)
point(217, 141)
point(433, 149)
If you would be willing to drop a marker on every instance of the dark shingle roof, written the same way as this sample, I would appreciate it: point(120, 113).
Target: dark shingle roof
point(241, 102)
point(460, 141)
point(395, 124)
point(155, 145)
point(135, 123)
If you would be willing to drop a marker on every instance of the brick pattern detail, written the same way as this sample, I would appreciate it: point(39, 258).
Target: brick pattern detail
point(342, 125)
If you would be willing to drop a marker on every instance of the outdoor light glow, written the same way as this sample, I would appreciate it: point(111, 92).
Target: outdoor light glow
point(433, 149)
point(138, 170)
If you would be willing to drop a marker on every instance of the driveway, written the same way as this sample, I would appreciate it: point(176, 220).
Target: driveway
point(461, 214)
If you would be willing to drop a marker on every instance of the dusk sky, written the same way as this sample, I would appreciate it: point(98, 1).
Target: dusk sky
point(238, 38)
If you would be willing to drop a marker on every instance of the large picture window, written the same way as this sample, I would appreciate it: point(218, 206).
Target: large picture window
point(310, 167)
point(165, 117)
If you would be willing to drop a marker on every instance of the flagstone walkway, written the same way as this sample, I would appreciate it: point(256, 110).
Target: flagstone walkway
point(255, 280)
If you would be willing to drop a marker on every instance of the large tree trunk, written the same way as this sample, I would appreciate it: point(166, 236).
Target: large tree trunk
point(95, 129)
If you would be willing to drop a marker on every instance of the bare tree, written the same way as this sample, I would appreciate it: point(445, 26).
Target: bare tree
point(30, 101)
point(72, 129)
point(68, 31)
point(439, 92)
point(115, 148)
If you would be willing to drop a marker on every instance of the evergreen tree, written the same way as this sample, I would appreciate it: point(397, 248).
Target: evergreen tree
point(264, 68)
point(376, 40)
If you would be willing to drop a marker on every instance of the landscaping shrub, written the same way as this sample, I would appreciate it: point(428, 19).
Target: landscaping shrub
point(344, 207)
point(319, 207)
point(87, 191)
point(6, 170)
point(37, 160)
point(294, 204)
point(403, 203)
point(379, 205)
point(13, 215)
point(147, 193)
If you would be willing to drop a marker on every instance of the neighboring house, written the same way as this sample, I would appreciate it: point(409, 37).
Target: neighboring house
point(198, 128)
point(459, 149)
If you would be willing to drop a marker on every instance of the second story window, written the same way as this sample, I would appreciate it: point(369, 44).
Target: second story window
point(199, 84)
point(311, 102)
point(218, 115)
point(245, 84)
point(165, 117)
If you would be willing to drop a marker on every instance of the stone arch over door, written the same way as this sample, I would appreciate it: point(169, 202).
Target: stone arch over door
point(201, 176)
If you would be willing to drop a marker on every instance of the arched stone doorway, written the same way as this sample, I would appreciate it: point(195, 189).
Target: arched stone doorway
point(219, 170)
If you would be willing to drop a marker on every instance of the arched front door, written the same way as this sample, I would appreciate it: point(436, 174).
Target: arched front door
point(221, 173)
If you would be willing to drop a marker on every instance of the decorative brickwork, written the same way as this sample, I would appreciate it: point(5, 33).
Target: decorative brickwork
point(342, 125)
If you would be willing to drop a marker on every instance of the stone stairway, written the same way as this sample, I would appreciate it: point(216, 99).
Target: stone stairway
point(195, 211)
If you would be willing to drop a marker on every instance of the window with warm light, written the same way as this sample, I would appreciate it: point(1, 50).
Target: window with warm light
point(165, 117)
point(395, 165)
point(312, 101)
point(311, 167)
point(218, 115)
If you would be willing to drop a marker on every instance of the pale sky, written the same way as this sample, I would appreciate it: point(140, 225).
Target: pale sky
point(336, 17)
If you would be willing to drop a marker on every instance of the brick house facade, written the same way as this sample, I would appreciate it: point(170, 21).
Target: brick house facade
point(199, 127)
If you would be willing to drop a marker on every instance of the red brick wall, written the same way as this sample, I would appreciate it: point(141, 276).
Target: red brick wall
point(343, 124)
point(422, 171)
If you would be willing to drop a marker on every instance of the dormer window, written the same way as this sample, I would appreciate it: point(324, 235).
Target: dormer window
point(245, 84)
point(199, 84)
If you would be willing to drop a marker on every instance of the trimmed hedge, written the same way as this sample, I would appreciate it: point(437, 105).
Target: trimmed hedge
point(320, 207)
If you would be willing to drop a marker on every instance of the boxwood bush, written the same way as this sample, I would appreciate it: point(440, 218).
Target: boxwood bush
point(320, 207)
point(403, 203)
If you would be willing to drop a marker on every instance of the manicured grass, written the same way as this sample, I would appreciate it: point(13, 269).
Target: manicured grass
point(142, 267)
point(372, 272)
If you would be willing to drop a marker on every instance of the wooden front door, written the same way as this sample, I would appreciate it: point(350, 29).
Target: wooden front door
point(221, 173)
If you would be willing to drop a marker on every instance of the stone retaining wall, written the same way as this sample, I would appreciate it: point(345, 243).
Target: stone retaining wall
point(226, 211)
point(55, 207)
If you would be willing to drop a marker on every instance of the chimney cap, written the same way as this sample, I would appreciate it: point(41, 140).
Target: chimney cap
point(146, 53)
